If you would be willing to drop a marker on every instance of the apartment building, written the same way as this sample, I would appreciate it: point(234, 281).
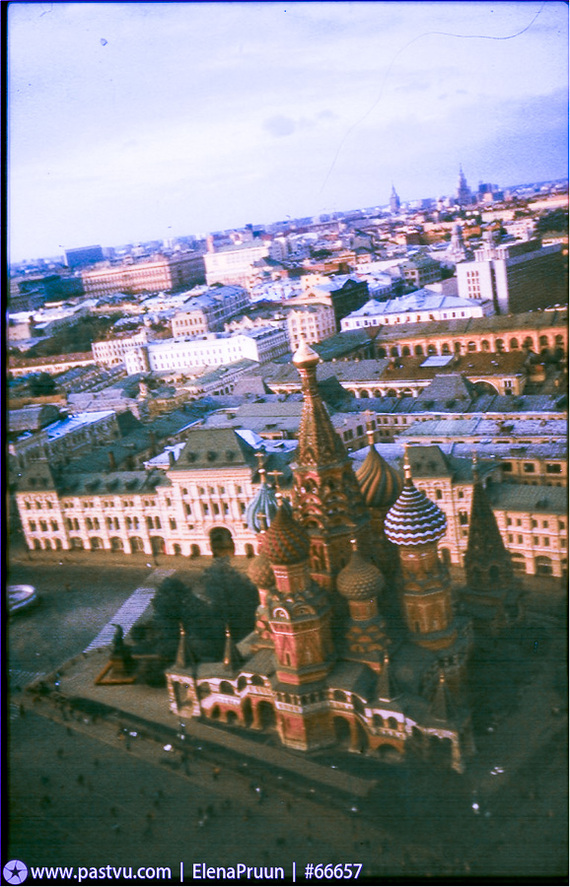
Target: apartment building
point(65, 438)
point(310, 323)
point(517, 276)
point(235, 264)
point(420, 270)
point(145, 276)
point(208, 311)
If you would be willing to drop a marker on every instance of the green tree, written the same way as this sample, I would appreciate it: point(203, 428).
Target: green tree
point(556, 220)
point(41, 385)
point(222, 596)
point(232, 596)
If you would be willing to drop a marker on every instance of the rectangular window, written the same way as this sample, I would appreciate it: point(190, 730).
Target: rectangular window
point(519, 539)
point(528, 467)
point(546, 541)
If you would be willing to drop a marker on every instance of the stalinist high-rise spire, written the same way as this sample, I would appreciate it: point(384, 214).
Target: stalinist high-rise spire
point(327, 498)
point(463, 196)
point(394, 202)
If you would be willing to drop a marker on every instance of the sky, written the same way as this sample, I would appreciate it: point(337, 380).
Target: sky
point(136, 121)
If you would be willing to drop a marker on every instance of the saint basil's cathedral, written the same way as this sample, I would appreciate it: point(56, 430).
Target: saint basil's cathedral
point(357, 643)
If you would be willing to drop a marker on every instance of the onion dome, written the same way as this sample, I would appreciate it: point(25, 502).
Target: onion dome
point(305, 356)
point(262, 509)
point(379, 482)
point(260, 572)
point(360, 580)
point(285, 542)
point(414, 519)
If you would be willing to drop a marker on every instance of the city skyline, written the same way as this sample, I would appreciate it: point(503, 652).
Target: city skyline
point(137, 122)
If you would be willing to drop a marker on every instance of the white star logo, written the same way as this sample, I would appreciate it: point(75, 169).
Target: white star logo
point(15, 872)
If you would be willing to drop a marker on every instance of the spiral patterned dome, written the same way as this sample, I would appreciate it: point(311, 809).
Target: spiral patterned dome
point(285, 542)
point(260, 572)
point(414, 519)
point(379, 482)
point(360, 580)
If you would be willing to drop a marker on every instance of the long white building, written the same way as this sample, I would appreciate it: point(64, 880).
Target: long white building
point(420, 306)
point(212, 349)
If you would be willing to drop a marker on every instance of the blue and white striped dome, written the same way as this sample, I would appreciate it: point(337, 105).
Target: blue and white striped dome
point(414, 519)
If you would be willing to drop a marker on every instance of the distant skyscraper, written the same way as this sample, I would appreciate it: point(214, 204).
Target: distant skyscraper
point(83, 256)
point(464, 196)
point(394, 202)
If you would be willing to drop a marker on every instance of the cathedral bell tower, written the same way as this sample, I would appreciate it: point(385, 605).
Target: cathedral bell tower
point(326, 499)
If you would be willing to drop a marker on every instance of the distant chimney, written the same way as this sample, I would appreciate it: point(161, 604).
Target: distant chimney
point(171, 459)
point(112, 461)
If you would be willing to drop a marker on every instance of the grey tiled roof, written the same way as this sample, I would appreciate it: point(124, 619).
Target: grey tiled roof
point(527, 498)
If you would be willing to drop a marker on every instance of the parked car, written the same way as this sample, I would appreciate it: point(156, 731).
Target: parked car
point(20, 597)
